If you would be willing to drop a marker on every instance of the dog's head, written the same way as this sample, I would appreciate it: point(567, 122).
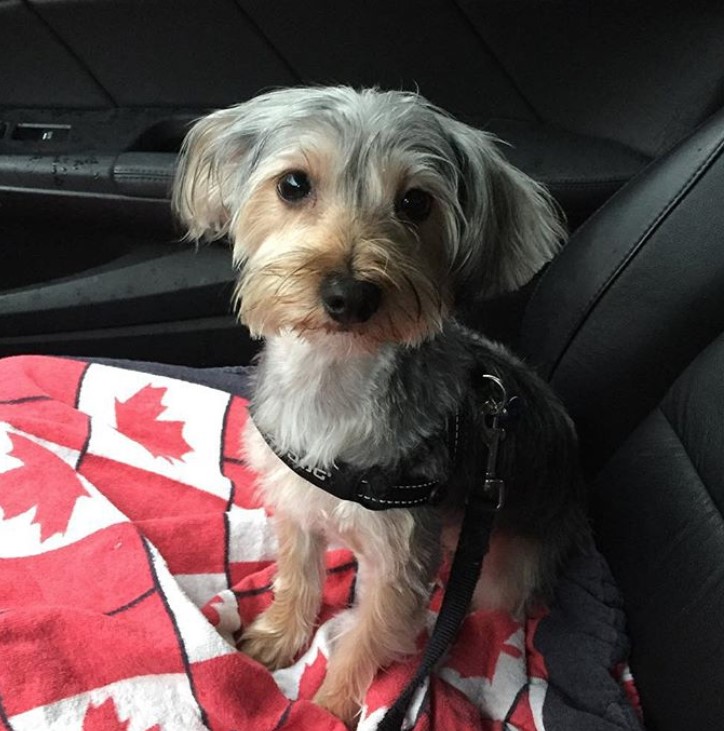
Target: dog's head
point(361, 212)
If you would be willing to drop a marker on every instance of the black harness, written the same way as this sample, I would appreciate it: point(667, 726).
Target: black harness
point(376, 489)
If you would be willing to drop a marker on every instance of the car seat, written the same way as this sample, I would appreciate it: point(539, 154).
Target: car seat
point(628, 326)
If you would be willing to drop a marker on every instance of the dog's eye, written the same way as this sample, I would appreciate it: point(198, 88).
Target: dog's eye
point(414, 205)
point(294, 186)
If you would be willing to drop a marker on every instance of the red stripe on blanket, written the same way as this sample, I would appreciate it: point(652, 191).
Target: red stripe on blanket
point(238, 693)
point(28, 376)
point(99, 573)
point(49, 420)
point(451, 709)
point(236, 417)
point(53, 653)
point(142, 495)
point(190, 544)
point(244, 480)
point(260, 571)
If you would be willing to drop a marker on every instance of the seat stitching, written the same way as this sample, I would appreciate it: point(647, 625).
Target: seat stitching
point(584, 182)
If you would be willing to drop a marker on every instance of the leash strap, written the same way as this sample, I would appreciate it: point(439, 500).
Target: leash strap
point(464, 573)
point(484, 501)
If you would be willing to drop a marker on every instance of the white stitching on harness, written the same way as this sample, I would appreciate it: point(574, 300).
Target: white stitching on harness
point(413, 487)
point(391, 502)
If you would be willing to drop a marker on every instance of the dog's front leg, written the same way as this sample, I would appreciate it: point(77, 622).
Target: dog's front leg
point(280, 632)
point(393, 593)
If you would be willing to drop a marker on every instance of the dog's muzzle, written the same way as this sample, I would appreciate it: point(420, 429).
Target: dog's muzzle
point(348, 300)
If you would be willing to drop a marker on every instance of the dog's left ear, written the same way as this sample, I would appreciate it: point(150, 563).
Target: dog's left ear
point(511, 226)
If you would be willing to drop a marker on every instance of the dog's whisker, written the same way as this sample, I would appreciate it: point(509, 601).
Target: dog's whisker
point(414, 291)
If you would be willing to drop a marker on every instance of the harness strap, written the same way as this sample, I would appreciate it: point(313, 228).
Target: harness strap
point(376, 488)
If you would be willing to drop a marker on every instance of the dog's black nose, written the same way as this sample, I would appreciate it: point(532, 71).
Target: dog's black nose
point(348, 300)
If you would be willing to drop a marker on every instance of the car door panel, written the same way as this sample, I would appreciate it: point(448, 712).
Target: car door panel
point(100, 94)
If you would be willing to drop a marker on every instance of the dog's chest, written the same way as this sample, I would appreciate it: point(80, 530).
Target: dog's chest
point(321, 407)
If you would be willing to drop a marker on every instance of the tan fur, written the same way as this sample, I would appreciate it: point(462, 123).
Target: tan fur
point(278, 634)
point(387, 621)
point(509, 577)
point(287, 250)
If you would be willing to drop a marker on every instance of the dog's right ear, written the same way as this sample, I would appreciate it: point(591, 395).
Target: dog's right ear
point(207, 174)
point(512, 226)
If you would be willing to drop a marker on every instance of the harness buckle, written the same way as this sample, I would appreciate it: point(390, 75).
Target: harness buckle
point(494, 492)
point(494, 407)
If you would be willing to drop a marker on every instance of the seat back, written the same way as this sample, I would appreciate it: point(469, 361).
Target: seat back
point(658, 506)
point(636, 294)
point(627, 325)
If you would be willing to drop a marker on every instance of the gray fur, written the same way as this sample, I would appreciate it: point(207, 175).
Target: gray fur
point(501, 227)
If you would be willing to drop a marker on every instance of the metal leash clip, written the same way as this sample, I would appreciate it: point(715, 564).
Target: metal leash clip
point(494, 408)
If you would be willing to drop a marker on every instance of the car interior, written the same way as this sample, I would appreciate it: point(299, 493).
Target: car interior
point(617, 107)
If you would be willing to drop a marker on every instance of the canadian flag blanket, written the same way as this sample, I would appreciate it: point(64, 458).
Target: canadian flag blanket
point(133, 552)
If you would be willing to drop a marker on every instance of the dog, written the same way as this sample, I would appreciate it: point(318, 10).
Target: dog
point(362, 221)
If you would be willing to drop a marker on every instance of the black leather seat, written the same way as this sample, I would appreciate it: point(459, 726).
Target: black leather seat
point(628, 326)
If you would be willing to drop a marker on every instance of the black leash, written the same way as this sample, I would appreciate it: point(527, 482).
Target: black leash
point(483, 502)
point(472, 547)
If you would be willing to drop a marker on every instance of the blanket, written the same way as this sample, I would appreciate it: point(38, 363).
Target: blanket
point(133, 551)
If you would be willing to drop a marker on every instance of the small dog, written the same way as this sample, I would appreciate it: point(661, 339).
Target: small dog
point(361, 221)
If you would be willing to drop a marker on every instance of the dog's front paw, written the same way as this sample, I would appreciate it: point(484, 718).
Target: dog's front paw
point(272, 645)
point(340, 704)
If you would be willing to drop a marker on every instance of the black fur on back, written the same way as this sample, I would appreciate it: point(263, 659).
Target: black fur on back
point(545, 498)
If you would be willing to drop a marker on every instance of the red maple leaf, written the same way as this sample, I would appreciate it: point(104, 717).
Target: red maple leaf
point(139, 419)
point(105, 718)
point(45, 481)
